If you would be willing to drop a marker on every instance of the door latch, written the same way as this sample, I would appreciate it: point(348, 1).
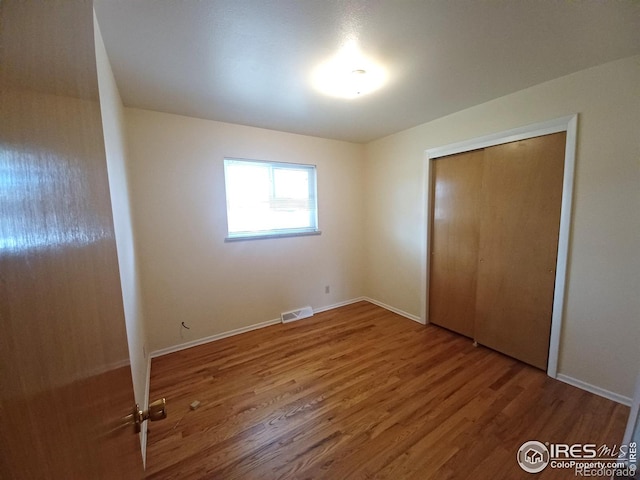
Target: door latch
point(157, 411)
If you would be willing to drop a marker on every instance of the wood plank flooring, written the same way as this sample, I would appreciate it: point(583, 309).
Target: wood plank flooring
point(359, 392)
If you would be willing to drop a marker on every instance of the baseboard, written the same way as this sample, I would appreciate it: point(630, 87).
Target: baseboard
point(238, 331)
point(410, 316)
point(593, 389)
point(339, 304)
point(213, 338)
point(256, 326)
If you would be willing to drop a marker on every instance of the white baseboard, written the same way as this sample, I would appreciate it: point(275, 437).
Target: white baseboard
point(339, 304)
point(593, 389)
point(213, 338)
point(410, 316)
point(256, 326)
point(238, 331)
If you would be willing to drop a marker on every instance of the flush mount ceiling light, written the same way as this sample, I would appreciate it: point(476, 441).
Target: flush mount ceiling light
point(349, 74)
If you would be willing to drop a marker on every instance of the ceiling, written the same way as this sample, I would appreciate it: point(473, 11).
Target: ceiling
point(249, 62)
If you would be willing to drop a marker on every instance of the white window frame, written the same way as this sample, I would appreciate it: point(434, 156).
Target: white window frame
point(276, 233)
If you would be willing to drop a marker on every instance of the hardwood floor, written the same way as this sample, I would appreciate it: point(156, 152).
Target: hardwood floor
point(360, 392)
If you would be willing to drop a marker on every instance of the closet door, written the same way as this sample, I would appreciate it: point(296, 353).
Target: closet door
point(520, 212)
point(454, 241)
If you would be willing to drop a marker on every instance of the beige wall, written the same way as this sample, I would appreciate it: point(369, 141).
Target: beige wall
point(189, 273)
point(116, 151)
point(601, 330)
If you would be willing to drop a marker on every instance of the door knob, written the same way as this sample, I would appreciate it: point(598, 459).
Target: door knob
point(157, 411)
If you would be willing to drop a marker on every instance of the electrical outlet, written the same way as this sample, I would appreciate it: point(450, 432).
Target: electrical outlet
point(327, 289)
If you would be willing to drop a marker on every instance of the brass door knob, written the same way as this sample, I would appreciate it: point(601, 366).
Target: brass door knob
point(157, 411)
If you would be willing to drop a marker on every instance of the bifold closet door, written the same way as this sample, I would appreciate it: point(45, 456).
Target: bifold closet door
point(454, 241)
point(520, 221)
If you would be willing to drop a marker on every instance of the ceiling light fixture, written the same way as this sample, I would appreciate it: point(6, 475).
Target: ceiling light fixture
point(358, 80)
point(349, 74)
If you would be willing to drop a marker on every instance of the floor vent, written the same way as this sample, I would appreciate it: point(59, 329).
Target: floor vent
point(299, 314)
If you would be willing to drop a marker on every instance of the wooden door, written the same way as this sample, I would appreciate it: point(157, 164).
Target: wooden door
point(455, 227)
point(65, 382)
point(520, 212)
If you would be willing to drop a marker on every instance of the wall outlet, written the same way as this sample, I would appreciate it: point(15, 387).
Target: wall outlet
point(327, 289)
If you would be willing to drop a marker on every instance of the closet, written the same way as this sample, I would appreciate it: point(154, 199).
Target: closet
point(494, 239)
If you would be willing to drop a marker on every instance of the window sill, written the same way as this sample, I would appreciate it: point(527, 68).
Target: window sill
point(241, 238)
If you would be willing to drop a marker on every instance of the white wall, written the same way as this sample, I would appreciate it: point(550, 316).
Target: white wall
point(601, 330)
point(189, 273)
point(116, 151)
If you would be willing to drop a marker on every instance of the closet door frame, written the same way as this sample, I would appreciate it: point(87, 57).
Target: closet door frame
point(568, 124)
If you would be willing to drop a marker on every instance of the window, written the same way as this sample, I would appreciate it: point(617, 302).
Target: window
point(269, 199)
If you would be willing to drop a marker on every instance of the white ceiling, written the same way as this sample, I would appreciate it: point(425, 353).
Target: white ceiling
point(249, 61)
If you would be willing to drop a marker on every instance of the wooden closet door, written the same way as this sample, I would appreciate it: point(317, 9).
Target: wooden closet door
point(454, 241)
point(520, 212)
